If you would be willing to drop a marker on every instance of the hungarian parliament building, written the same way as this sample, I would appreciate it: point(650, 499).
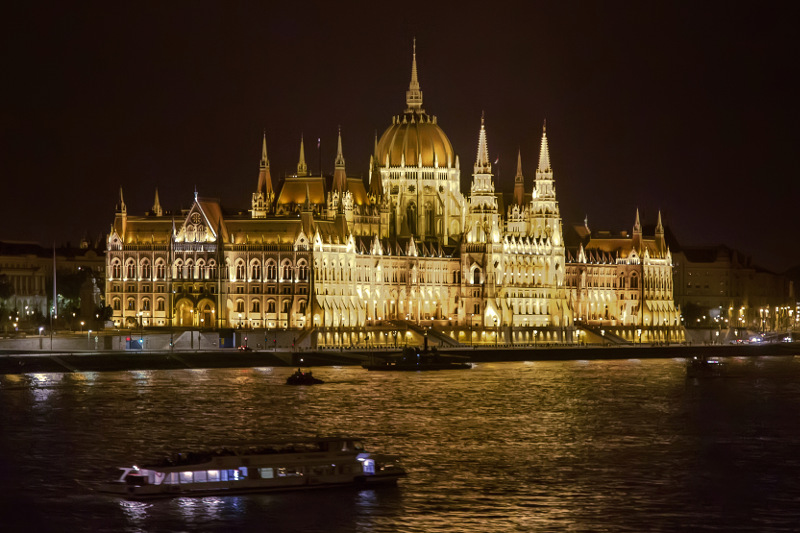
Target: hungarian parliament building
point(349, 263)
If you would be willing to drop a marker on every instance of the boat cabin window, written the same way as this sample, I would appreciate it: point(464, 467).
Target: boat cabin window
point(266, 473)
point(290, 471)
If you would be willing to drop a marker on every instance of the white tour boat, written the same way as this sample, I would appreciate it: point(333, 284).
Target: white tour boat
point(287, 465)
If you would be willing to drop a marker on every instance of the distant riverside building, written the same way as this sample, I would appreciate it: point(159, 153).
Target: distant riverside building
point(719, 285)
point(28, 267)
point(352, 262)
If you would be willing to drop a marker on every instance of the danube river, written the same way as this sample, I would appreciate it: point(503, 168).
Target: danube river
point(624, 445)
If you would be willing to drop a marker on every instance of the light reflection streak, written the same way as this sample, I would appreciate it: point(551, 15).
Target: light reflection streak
point(135, 511)
point(209, 507)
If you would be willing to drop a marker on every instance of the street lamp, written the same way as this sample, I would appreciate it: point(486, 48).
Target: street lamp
point(495, 331)
point(82, 323)
point(535, 333)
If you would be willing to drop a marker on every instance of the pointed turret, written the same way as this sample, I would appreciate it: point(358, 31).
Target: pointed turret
point(544, 152)
point(264, 195)
point(302, 168)
point(339, 175)
point(482, 164)
point(661, 244)
point(414, 94)
point(519, 181)
point(637, 234)
point(157, 211)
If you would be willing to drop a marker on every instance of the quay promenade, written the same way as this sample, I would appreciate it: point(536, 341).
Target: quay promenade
point(43, 361)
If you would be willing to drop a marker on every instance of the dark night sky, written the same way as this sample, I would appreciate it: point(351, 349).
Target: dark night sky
point(687, 107)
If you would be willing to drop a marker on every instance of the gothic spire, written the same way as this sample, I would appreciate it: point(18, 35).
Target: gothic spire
point(519, 181)
point(414, 94)
point(482, 164)
point(544, 153)
point(264, 177)
point(157, 211)
point(302, 168)
point(339, 176)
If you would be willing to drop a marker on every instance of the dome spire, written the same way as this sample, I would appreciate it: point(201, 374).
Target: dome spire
point(414, 94)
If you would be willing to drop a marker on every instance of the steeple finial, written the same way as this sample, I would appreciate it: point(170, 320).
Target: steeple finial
point(544, 153)
point(264, 178)
point(302, 168)
point(637, 226)
point(339, 156)
point(414, 94)
point(264, 160)
point(339, 175)
point(482, 164)
point(519, 181)
point(157, 211)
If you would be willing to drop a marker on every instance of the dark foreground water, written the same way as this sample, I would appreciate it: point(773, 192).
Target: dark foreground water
point(546, 446)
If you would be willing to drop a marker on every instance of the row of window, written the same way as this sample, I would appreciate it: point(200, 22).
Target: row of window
point(200, 270)
point(243, 472)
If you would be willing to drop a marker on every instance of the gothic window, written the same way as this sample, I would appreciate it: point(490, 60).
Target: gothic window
point(287, 304)
point(476, 276)
point(302, 271)
point(240, 270)
point(178, 274)
point(116, 269)
point(634, 281)
point(255, 271)
point(477, 309)
point(287, 272)
point(131, 304)
point(211, 271)
point(201, 269)
point(130, 269)
point(146, 270)
point(272, 271)
point(240, 306)
point(146, 304)
point(117, 304)
point(256, 306)
point(302, 307)
point(161, 271)
point(189, 269)
point(271, 306)
point(160, 304)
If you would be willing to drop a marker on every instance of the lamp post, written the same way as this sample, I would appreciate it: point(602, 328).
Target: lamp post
point(495, 332)
point(535, 334)
point(82, 323)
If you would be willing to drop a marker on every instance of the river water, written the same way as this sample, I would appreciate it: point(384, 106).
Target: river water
point(623, 445)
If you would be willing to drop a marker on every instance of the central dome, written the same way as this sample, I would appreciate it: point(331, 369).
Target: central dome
point(414, 138)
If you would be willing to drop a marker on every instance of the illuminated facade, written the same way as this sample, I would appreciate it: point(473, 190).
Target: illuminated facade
point(343, 260)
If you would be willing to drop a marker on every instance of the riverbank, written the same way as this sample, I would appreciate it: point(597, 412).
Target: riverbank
point(121, 360)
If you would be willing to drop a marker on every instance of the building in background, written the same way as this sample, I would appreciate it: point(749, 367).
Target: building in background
point(358, 264)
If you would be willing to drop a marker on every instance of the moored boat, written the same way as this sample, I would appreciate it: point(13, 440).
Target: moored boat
point(704, 367)
point(279, 466)
point(413, 359)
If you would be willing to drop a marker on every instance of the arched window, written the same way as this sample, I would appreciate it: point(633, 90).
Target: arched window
point(634, 281)
point(240, 270)
point(178, 270)
point(131, 304)
point(116, 269)
point(271, 306)
point(189, 268)
point(161, 270)
point(256, 306)
point(287, 272)
point(130, 269)
point(146, 304)
point(147, 272)
point(255, 271)
point(160, 304)
point(287, 305)
point(302, 271)
point(117, 304)
point(211, 273)
point(302, 307)
point(476, 276)
point(201, 269)
point(272, 271)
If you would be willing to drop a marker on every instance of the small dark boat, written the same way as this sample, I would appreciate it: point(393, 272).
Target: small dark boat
point(414, 359)
point(303, 378)
point(702, 367)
